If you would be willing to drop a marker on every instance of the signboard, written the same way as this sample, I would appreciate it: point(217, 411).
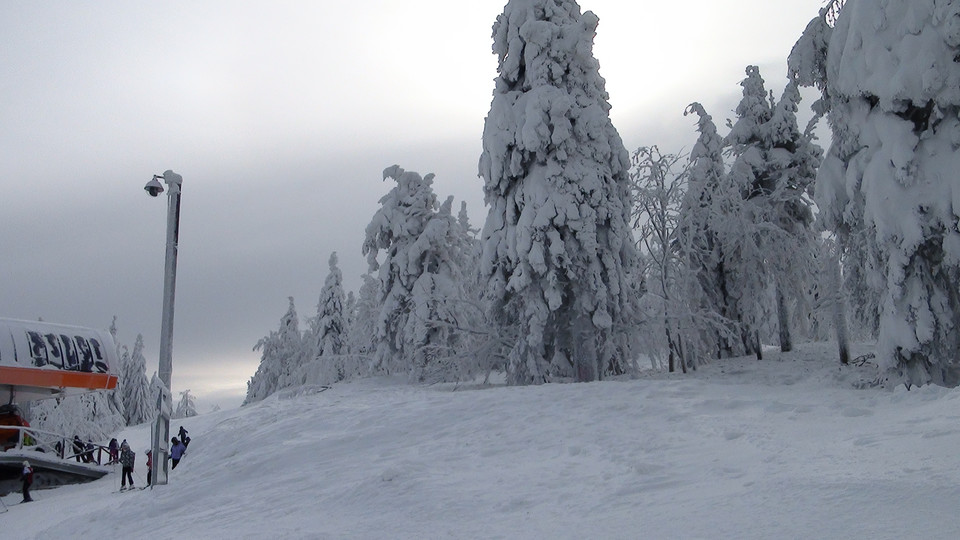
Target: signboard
point(39, 359)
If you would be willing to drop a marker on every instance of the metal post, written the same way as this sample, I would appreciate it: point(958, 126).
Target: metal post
point(164, 401)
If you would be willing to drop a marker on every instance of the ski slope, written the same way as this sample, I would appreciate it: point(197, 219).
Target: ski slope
point(782, 448)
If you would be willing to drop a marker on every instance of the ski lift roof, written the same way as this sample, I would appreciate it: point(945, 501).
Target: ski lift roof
point(39, 360)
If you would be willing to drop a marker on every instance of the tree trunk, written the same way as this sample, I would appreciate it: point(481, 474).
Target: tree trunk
point(783, 319)
point(757, 348)
point(585, 357)
point(840, 312)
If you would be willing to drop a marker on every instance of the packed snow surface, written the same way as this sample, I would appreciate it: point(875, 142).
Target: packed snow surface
point(786, 447)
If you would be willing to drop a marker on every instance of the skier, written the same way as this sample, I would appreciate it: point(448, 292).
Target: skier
point(176, 451)
point(184, 438)
point(27, 477)
point(127, 457)
point(149, 466)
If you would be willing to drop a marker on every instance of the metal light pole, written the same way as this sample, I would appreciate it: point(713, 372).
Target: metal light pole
point(161, 432)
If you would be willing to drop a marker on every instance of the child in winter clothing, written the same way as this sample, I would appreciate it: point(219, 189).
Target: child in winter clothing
point(27, 477)
point(127, 458)
point(176, 451)
point(183, 437)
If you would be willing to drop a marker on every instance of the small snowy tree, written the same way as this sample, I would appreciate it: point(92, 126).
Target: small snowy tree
point(364, 324)
point(281, 355)
point(558, 254)
point(326, 329)
point(187, 406)
point(139, 406)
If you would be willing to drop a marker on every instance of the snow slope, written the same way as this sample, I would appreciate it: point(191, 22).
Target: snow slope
point(783, 448)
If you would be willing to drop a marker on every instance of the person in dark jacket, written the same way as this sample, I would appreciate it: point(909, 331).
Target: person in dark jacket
point(27, 477)
point(127, 458)
point(177, 450)
point(78, 447)
point(149, 466)
point(114, 449)
point(183, 437)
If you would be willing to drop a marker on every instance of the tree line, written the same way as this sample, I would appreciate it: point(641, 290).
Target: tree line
point(592, 260)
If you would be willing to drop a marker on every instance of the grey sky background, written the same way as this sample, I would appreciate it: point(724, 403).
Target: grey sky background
point(280, 116)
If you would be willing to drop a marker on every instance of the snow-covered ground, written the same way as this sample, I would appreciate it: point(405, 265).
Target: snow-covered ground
point(783, 448)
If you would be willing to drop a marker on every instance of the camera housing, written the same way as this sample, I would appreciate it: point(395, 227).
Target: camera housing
point(154, 187)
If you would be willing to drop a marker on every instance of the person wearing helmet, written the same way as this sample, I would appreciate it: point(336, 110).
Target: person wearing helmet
point(127, 458)
point(27, 477)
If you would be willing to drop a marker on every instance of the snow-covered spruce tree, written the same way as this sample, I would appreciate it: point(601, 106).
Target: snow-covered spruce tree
point(281, 355)
point(326, 358)
point(891, 172)
point(138, 404)
point(395, 228)
point(363, 326)
point(187, 406)
point(791, 245)
point(748, 274)
point(558, 255)
point(862, 267)
point(470, 254)
point(349, 318)
point(326, 328)
point(707, 204)
point(439, 300)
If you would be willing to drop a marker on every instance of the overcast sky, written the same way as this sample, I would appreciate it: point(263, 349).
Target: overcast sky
point(280, 116)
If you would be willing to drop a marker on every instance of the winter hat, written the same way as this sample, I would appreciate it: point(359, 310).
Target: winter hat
point(124, 444)
point(26, 463)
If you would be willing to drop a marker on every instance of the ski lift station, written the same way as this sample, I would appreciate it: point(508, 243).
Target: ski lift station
point(39, 360)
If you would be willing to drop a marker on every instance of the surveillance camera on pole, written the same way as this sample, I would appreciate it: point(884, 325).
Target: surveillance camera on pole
point(154, 187)
point(161, 433)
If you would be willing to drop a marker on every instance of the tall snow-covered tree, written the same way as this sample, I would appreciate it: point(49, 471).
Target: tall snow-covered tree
point(558, 255)
point(748, 273)
point(439, 299)
point(791, 244)
point(282, 352)
point(403, 215)
point(889, 178)
point(138, 405)
point(702, 235)
point(862, 267)
point(326, 332)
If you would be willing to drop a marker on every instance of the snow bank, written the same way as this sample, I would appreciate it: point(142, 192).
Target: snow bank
point(783, 448)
